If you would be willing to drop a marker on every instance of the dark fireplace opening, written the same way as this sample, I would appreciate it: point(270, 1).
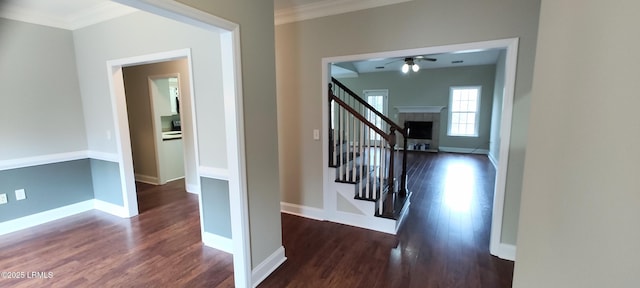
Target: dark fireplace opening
point(419, 129)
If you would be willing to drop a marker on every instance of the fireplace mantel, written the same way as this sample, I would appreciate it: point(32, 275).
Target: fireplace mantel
point(419, 109)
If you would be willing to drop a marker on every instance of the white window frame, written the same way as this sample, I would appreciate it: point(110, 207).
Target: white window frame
point(477, 111)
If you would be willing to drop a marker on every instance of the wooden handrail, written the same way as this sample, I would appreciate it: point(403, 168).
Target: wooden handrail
point(374, 110)
point(360, 117)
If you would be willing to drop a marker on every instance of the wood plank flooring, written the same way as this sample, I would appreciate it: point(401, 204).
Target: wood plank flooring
point(159, 248)
point(443, 243)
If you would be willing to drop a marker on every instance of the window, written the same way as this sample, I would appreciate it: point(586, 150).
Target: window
point(377, 99)
point(464, 111)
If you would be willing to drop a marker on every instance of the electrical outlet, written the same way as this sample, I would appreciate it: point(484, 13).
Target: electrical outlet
point(316, 134)
point(20, 195)
point(3, 198)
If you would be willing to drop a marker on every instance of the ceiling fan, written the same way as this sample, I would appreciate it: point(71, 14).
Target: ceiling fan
point(411, 62)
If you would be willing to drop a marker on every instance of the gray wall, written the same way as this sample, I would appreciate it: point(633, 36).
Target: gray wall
point(42, 109)
point(496, 107)
point(46, 187)
point(302, 45)
point(260, 117)
point(579, 215)
point(430, 87)
point(215, 196)
point(106, 181)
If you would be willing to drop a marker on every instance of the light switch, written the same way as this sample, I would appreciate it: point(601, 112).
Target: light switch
point(20, 195)
point(3, 198)
point(316, 134)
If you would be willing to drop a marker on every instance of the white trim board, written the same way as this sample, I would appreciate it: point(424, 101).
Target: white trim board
point(267, 266)
point(327, 8)
point(55, 158)
point(110, 208)
point(511, 46)
point(302, 211)
point(229, 34)
point(363, 221)
point(213, 173)
point(147, 179)
point(463, 150)
point(217, 242)
point(45, 216)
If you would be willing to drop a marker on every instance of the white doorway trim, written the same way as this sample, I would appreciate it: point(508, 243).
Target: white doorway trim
point(233, 101)
point(496, 246)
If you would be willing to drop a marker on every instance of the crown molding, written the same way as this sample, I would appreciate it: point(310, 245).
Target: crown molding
point(96, 14)
point(327, 8)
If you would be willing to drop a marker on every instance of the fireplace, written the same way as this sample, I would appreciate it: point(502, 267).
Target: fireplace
point(424, 126)
point(419, 129)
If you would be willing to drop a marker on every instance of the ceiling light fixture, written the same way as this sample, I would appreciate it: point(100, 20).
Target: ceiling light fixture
point(408, 62)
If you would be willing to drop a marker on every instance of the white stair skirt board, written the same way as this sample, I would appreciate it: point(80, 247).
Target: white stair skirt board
point(367, 222)
point(366, 207)
point(266, 267)
point(110, 208)
point(147, 179)
point(44, 217)
point(217, 242)
point(302, 211)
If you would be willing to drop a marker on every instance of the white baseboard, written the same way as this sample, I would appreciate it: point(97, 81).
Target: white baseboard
point(217, 242)
point(505, 251)
point(110, 208)
point(193, 188)
point(147, 179)
point(493, 160)
point(45, 216)
point(266, 267)
point(302, 211)
point(463, 150)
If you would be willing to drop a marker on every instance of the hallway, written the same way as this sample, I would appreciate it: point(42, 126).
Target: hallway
point(443, 243)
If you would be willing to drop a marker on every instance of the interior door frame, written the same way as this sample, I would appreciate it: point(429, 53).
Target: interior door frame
point(229, 33)
point(496, 246)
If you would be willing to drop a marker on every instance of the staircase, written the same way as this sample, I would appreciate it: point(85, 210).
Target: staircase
point(365, 157)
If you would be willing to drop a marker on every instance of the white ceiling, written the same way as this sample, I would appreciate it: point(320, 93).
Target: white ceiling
point(65, 14)
point(351, 69)
point(74, 14)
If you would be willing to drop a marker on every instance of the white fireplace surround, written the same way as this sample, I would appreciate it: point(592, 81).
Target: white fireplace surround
point(422, 113)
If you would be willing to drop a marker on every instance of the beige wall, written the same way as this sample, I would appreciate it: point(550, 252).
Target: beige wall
point(260, 116)
point(140, 115)
point(415, 24)
point(581, 197)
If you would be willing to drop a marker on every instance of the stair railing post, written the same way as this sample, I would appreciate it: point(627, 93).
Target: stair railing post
point(331, 138)
point(389, 201)
point(403, 180)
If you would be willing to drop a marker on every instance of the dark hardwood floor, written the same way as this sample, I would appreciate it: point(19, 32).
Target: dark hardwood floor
point(443, 243)
point(159, 248)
